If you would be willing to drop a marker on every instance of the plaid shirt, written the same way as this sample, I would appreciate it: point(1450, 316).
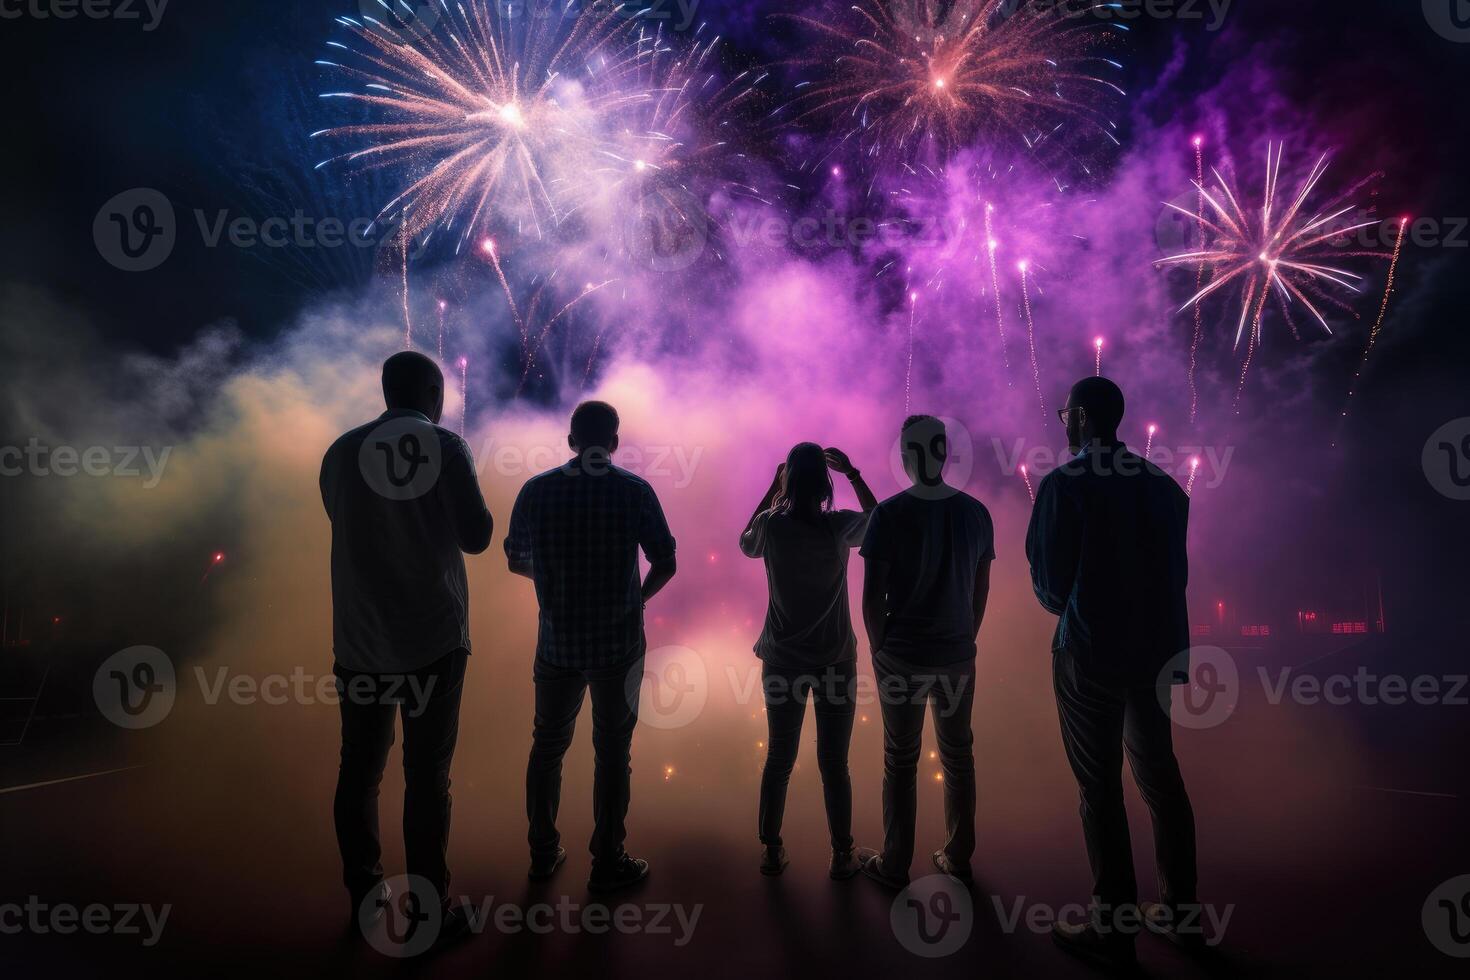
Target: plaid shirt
point(579, 534)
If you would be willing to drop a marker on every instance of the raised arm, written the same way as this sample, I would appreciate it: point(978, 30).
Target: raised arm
point(752, 539)
point(839, 463)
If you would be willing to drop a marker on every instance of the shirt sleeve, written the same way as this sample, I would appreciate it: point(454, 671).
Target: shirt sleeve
point(518, 537)
point(851, 526)
point(1052, 544)
point(654, 536)
point(875, 539)
point(466, 504)
point(987, 528)
point(753, 539)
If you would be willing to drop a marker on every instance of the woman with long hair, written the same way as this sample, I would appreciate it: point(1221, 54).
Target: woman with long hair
point(807, 647)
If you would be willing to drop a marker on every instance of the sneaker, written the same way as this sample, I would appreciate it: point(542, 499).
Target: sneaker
point(960, 872)
point(1186, 932)
point(844, 865)
point(368, 907)
point(619, 873)
point(454, 925)
point(774, 860)
point(545, 865)
point(1090, 946)
point(870, 863)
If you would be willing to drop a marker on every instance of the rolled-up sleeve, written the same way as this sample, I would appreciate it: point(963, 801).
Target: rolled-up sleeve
point(654, 537)
point(518, 536)
point(1052, 543)
point(753, 538)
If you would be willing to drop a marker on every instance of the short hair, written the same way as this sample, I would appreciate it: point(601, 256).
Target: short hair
point(1102, 400)
point(931, 426)
point(594, 425)
point(408, 379)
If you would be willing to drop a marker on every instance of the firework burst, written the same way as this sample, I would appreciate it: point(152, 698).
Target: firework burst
point(906, 72)
point(1283, 246)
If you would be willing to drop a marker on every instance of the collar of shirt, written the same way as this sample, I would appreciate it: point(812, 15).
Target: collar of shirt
point(1112, 447)
point(401, 413)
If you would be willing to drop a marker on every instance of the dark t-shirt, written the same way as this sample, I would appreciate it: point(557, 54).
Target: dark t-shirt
point(933, 548)
point(807, 622)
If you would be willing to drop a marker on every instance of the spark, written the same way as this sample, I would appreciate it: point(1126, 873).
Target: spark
point(990, 248)
point(1149, 445)
point(909, 370)
point(1097, 362)
point(1025, 266)
point(1393, 265)
point(1027, 478)
point(1193, 472)
point(464, 392)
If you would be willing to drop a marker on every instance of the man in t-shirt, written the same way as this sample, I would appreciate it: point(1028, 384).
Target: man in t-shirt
point(927, 558)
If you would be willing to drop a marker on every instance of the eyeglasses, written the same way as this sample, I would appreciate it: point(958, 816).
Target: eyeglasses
point(1065, 413)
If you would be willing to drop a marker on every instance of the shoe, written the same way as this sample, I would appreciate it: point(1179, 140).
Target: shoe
point(544, 866)
point(844, 865)
point(368, 907)
point(1164, 920)
point(960, 872)
point(454, 925)
point(870, 863)
point(618, 873)
point(774, 861)
point(1090, 946)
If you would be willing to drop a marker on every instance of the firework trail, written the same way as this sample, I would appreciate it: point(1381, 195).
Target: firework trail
point(1149, 445)
point(1199, 276)
point(1393, 265)
point(442, 306)
point(903, 72)
point(908, 373)
point(990, 246)
point(1193, 472)
point(1025, 266)
point(1097, 346)
point(464, 392)
point(1272, 249)
point(551, 321)
point(407, 318)
point(1027, 477)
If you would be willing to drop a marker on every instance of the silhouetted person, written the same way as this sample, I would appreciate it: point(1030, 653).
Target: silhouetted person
point(405, 504)
point(576, 532)
point(1107, 553)
point(807, 646)
point(927, 558)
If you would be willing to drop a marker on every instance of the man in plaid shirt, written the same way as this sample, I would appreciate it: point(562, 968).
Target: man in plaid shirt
point(576, 532)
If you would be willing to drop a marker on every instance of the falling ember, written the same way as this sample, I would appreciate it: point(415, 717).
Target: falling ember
point(1024, 265)
point(1148, 447)
point(909, 369)
point(990, 246)
point(464, 392)
point(1027, 477)
point(1393, 265)
point(668, 773)
point(215, 560)
point(442, 307)
point(1097, 360)
point(1193, 472)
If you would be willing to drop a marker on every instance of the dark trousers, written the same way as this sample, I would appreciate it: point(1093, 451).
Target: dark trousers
point(904, 690)
point(559, 692)
point(428, 700)
point(833, 691)
point(1099, 724)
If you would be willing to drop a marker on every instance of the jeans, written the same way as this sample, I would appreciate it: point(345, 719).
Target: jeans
point(833, 691)
point(428, 700)
point(1099, 724)
point(904, 689)
point(559, 693)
